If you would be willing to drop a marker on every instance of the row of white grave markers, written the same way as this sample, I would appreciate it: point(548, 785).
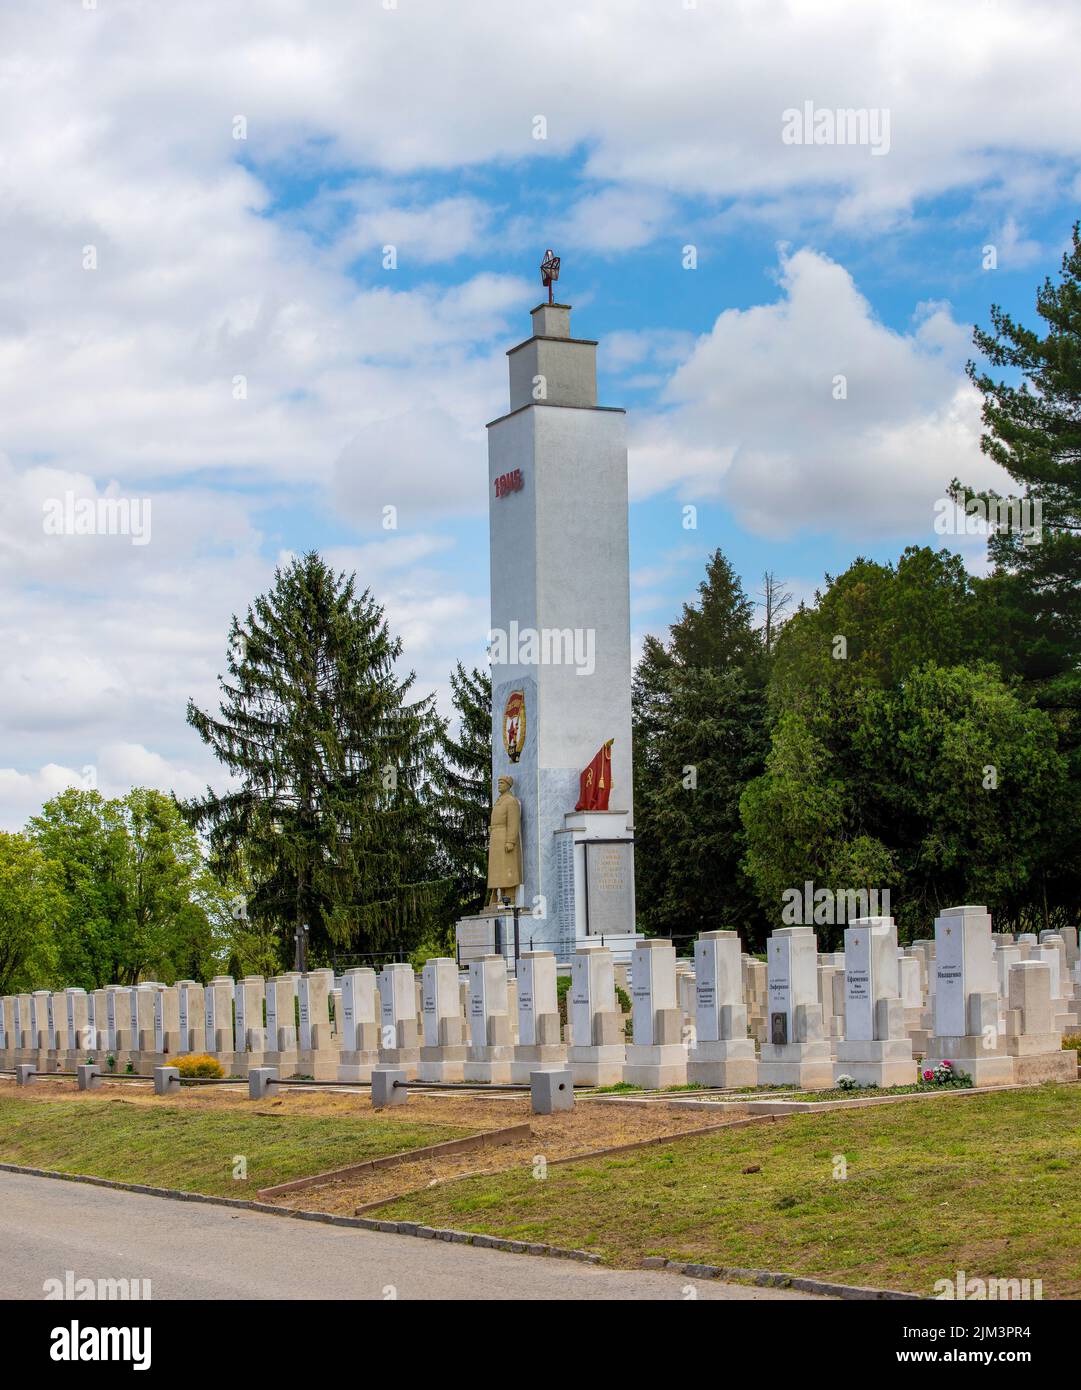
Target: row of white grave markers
point(993, 1006)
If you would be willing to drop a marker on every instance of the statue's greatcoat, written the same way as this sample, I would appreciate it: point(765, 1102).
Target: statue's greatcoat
point(505, 865)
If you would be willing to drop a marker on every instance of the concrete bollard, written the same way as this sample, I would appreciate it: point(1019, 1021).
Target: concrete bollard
point(88, 1076)
point(166, 1080)
point(262, 1081)
point(25, 1074)
point(384, 1091)
point(550, 1091)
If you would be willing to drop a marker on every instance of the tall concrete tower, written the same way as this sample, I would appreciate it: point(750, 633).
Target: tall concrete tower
point(561, 646)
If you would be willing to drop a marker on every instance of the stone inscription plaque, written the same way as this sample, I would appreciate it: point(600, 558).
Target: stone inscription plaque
point(610, 887)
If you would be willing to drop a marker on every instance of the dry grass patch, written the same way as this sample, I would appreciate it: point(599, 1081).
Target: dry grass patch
point(584, 1130)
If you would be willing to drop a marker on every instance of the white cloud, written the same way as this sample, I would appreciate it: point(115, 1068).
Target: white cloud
point(615, 219)
point(422, 232)
point(116, 768)
point(753, 417)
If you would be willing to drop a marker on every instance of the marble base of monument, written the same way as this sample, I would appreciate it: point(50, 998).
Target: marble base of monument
point(321, 1064)
point(357, 1066)
point(655, 1065)
point(1033, 1069)
point(240, 1063)
point(489, 1065)
point(537, 1057)
point(602, 1062)
point(446, 1061)
point(597, 1066)
point(808, 1065)
point(282, 1050)
point(725, 1062)
point(319, 1059)
point(888, 1062)
point(442, 1063)
point(546, 1054)
point(405, 1059)
point(1037, 1057)
point(285, 1060)
point(405, 1056)
point(987, 1067)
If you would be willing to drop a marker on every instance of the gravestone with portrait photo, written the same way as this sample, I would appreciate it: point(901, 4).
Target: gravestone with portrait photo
point(798, 1053)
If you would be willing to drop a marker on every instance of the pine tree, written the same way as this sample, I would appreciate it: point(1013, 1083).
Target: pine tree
point(463, 788)
point(718, 634)
point(699, 736)
point(331, 818)
point(1033, 429)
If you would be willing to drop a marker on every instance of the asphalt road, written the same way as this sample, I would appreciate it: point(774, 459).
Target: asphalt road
point(189, 1250)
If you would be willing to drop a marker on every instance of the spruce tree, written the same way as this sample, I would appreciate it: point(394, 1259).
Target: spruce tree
point(331, 818)
point(463, 790)
point(699, 736)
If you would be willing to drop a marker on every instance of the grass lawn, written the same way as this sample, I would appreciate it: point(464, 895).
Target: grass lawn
point(195, 1148)
point(988, 1184)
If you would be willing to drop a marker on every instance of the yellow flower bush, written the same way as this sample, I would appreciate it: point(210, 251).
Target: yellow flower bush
point(199, 1064)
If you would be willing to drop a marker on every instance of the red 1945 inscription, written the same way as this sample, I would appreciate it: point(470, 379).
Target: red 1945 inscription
point(508, 482)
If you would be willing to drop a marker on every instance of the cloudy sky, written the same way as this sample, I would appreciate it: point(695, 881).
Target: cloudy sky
point(195, 305)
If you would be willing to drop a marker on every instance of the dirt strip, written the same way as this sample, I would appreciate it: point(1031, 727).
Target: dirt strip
point(490, 1139)
point(559, 1138)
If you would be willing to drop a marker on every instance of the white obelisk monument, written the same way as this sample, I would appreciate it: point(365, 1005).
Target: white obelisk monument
point(560, 644)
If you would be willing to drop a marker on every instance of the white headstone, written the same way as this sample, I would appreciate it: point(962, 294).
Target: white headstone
point(439, 996)
point(792, 962)
point(397, 1000)
point(964, 965)
point(653, 987)
point(159, 1020)
point(487, 996)
point(536, 993)
point(718, 981)
point(358, 1006)
point(870, 973)
point(219, 1014)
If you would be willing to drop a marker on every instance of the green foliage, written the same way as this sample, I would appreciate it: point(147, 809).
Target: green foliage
point(563, 985)
point(902, 758)
point(892, 618)
point(31, 901)
point(438, 942)
point(794, 815)
point(966, 784)
point(331, 818)
point(134, 896)
point(944, 789)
